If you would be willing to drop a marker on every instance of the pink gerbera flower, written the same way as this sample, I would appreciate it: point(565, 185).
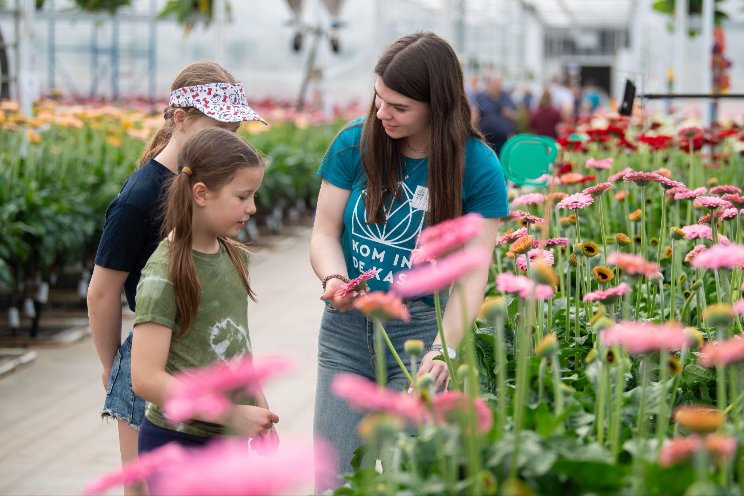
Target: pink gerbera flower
point(690, 194)
point(608, 294)
point(643, 178)
point(604, 163)
point(695, 231)
point(508, 238)
point(645, 337)
point(670, 184)
point(694, 252)
point(382, 306)
point(711, 202)
point(597, 189)
point(529, 199)
point(363, 394)
point(676, 189)
point(230, 467)
point(428, 279)
point(206, 393)
point(356, 284)
point(728, 213)
point(469, 225)
point(633, 264)
point(722, 352)
point(619, 175)
point(720, 256)
point(735, 199)
point(725, 189)
point(452, 407)
point(551, 242)
point(527, 217)
point(522, 286)
point(576, 201)
point(679, 449)
point(535, 254)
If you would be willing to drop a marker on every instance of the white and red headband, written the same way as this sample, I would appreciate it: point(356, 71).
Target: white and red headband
point(225, 102)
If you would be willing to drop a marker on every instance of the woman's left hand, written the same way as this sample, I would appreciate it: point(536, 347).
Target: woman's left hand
point(436, 368)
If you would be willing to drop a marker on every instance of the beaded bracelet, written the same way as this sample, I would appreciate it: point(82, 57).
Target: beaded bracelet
point(325, 280)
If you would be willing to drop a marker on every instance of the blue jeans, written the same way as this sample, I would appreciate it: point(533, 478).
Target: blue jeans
point(121, 402)
point(347, 345)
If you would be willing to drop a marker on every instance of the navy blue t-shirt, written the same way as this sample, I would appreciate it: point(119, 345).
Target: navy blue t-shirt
point(387, 247)
point(131, 231)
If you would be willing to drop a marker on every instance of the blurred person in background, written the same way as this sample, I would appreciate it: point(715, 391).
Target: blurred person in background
point(497, 113)
point(545, 118)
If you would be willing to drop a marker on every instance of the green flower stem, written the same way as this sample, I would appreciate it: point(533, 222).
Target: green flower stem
point(604, 385)
point(522, 379)
point(555, 365)
point(662, 418)
point(602, 228)
point(662, 230)
point(645, 372)
point(414, 368)
point(500, 355)
point(673, 282)
point(644, 241)
point(380, 367)
point(440, 329)
point(614, 433)
point(390, 346)
point(473, 389)
point(540, 380)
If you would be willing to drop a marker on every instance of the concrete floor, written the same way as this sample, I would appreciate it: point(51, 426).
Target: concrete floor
point(52, 440)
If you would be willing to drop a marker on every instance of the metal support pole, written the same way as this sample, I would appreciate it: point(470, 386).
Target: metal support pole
point(680, 43)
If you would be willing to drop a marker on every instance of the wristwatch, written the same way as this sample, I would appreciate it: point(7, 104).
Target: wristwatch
point(450, 350)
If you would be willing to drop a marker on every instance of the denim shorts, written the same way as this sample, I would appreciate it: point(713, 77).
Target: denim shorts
point(121, 402)
point(346, 345)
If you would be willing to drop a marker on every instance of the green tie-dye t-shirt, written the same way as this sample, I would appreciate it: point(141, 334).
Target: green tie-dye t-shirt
point(219, 330)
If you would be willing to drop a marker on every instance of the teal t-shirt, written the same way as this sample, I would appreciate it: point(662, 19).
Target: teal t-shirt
point(219, 331)
point(386, 247)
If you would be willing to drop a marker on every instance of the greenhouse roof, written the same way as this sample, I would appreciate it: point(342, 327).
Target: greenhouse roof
point(571, 13)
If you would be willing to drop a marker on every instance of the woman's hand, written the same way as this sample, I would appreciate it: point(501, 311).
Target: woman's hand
point(252, 421)
point(342, 304)
point(436, 368)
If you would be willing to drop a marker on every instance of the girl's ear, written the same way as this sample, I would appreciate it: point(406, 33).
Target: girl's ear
point(179, 117)
point(199, 194)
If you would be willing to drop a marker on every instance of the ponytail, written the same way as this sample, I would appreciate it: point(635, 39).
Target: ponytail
point(181, 268)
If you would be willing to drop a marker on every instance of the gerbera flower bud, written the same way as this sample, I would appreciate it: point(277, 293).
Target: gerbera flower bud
point(667, 254)
point(682, 278)
point(413, 347)
point(590, 248)
point(637, 239)
point(699, 418)
point(696, 335)
point(603, 274)
point(609, 357)
point(425, 381)
point(654, 242)
point(621, 195)
point(463, 371)
point(547, 346)
point(521, 245)
point(676, 233)
point(573, 260)
point(719, 315)
point(712, 181)
point(569, 220)
point(635, 215)
point(674, 366)
point(622, 239)
point(378, 426)
point(602, 323)
point(544, 273)
point(492, 307)
point(686, 294)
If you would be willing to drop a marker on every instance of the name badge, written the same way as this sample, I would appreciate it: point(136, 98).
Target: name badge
point(420, 200)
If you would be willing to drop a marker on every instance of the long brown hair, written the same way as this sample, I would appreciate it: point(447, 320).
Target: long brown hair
point(203, 72)
point(424, 67)
point(214, 155)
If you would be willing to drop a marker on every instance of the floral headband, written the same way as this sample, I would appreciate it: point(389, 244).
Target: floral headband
point(225, 102)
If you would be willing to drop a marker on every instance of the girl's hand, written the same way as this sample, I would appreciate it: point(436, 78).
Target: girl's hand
point(342, 304)
point(252, 421)
point(266, 443)
point(436, 368)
